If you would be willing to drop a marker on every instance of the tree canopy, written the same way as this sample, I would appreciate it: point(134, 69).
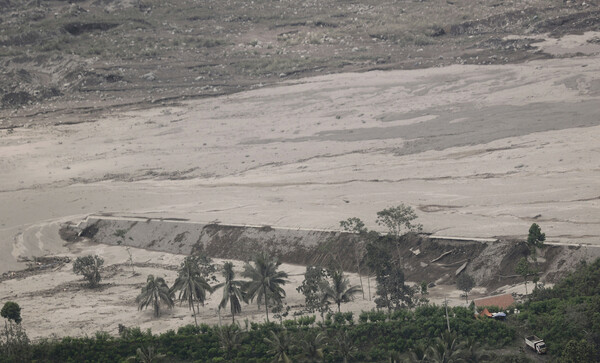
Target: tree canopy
point(191, 284)
point(155, 293)
point(89, 266)
point(11, 311)
point(233, 291)
point(266, 281)
point(339, 290)
point(398, 219)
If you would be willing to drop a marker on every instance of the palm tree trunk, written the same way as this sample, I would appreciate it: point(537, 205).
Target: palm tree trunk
point(339, 307)
point(266, 302)
point(360, 278)
point(156, 305)
point(369, 282)
point(194, 312)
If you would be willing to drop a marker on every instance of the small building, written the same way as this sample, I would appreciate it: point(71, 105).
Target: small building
point(502, 301)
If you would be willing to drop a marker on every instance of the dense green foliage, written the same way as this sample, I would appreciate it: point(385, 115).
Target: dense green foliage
point(11, 311)
point(372, 339)
point(567, 316)
point(536, 238)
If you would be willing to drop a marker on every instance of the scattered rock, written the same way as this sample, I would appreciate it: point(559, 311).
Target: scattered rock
point(149, 76)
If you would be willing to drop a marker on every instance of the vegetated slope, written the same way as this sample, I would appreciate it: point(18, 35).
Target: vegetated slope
point(88, 55)
point(567, 316)
point(492, 264)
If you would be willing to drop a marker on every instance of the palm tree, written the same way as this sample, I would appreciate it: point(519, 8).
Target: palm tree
point(312, 347)
point(445, 349)
point(340, 290)
point(345, 346)
point(154, 293)
point(472, 352)
point(418, 353)
point(191, 285)
point(230, 338)
point(266, 281)
point(280, 345)
point(146, 355)
point(233, 291)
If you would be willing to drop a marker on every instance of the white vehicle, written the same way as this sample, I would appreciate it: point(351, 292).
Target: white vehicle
point(536, 344)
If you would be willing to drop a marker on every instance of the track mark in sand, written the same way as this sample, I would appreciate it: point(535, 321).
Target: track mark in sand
point(350, 181)
point(432, 208)
point(538, 219)
point(562, 201)
point(469, 153)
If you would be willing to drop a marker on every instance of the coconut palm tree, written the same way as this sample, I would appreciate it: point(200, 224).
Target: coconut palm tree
point(266, 281)
point(233, 291)
point(418, 353)
point(230, 338)
point(154, 293)
point(344, 346)
point(312, 347)
point(191, 285)
point(340, 290)
point(472, 352)
point(445, 349)
point(146, 355)
point(280, 346)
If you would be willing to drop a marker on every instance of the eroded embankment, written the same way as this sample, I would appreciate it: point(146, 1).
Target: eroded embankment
point(491, 263)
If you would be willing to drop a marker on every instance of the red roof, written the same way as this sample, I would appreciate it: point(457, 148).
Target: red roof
point(502, 301)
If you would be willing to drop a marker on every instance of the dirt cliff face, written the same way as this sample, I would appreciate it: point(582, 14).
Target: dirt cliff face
point(492, 264)
point(86, 57)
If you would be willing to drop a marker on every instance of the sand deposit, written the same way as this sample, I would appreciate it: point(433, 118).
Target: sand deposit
point(478, 151)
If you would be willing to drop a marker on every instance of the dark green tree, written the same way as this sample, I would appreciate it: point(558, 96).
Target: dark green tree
point(311, 288)
point(155, 293)
point(233, 291)
point(465, 283)
point(266, 281)
point(578, 351)
point(392, 291)
point(11, 311)
point(191, 284)
point(536, 238)
point(89, 266)
point(339, 289)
